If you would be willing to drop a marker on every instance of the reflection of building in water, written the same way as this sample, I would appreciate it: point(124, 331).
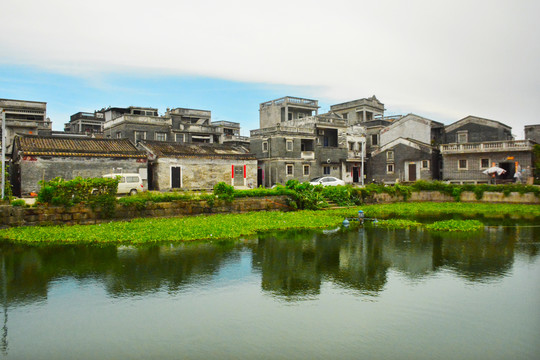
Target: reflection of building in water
point(288, 266)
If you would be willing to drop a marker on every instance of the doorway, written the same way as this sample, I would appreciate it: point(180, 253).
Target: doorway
point(412, 172)
point(176, 177)
point(356, 174)
point(238, 175)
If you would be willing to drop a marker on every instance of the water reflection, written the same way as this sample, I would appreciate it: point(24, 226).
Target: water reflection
point(293, 265)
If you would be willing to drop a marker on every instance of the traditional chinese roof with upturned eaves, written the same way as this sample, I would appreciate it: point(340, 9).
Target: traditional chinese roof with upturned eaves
point(176, 150)
point(66, 146)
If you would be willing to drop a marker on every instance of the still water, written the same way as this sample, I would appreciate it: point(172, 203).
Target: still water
point(357, 294)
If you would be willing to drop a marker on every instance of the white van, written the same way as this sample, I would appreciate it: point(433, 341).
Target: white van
point(128, 183)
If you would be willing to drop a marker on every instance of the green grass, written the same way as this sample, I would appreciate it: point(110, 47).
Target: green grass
point(236, 225)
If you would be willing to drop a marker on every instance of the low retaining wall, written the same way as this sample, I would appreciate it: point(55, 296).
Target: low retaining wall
point(466, 196)
point(58, 215)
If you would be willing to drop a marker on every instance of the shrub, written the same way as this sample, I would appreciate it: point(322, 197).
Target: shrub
point(18, 202)
point(96, 192)
point(224, 191)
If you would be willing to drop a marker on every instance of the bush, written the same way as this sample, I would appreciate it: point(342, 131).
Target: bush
point(96, 192)
point(224, 191)
point(18, 202)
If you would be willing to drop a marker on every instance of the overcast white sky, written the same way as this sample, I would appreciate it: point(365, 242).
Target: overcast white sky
point(440, 59)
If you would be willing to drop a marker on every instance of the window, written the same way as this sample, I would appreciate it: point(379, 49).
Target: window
point(389, 168)
point(290, 170)
point(306, 170)
point(462, 164)
point(118, 135)
point(462, 137)
point(301, 115)
point(351, 146)
point(289, 145)
point(140, 135)
point(345, 116)
point(326, 170)
point(161, 136)
point(375, 139)
point(425, 164)
point(179, 138)
point(265, 146)
point(390, 155)
point(290, 116)
point(484, 163)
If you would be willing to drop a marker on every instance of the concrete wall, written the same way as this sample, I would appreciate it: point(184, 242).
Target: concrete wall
point(201, 173)
point(35, 169)
point(411, 127)
point(532, 132)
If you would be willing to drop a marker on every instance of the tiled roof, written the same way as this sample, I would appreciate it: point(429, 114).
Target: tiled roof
point(170, 149)
point(65, 146)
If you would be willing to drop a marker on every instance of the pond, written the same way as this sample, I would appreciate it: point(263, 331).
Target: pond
point(364, 293)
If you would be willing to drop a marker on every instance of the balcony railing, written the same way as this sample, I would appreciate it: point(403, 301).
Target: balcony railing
point(307, 155)
point(284, 129)
point(291, 100)
point(491, 146)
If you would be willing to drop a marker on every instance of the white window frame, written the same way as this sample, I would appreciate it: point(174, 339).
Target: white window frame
point(390, 155)
point(158, 134)
point(390, 168)
point(425, 167)
point(462, 133)
point(287, 167)
point(287, 143)
point(118, 134)
point(136, 132)
point(484, 167)
point(466, 164)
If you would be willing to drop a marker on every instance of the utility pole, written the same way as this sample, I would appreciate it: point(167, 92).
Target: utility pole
point(3, 152)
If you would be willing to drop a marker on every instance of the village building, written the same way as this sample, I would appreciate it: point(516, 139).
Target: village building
point(295, 142)
point(179, 125)
point(177, 166)
point(532, 132)
point(85, 123)
point(24, 117)
point(37, 158)
point(404, 160)
point(473, 145)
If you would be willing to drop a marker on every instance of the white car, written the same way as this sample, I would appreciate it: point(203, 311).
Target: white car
point(326, 181)
point(128, 183)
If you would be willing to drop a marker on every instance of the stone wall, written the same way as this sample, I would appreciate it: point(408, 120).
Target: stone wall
point(58, 215)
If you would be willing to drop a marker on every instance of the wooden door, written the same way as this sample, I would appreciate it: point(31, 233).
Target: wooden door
point(412, 172)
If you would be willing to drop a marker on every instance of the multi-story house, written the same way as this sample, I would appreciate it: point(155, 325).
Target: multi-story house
point(24, 118)
point(85, 123)
point(178, 125)
point(532, 132)
point(473, 145)
point(407, 150)
point(295, 142)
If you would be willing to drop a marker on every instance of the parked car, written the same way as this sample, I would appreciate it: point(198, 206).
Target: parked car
point(128, 183)
point(326, 181)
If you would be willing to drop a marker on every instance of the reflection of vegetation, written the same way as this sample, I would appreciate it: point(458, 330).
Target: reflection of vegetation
point(293, 264)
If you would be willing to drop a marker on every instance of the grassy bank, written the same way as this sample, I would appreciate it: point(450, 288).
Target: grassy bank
point(236, 225)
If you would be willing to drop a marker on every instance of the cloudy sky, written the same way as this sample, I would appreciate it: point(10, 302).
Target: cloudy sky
point(442, 60)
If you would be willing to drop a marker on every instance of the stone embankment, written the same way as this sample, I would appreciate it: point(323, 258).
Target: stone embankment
point(58, 215)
